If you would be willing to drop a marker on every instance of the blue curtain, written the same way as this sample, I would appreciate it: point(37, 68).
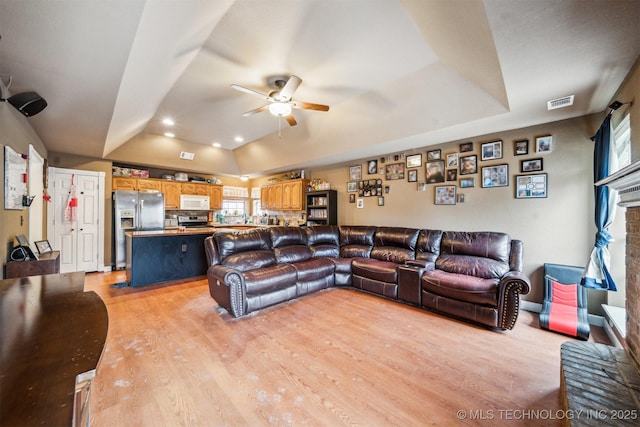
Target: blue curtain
point(605, 162)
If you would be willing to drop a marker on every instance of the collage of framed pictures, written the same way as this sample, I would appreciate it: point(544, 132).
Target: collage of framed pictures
point(445, 195)
point(492, 150)
point(495, 176)
point(531, 186)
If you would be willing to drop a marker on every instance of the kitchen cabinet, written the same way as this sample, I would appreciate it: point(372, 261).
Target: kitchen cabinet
point(322, 207)
point(292, 195)
point(171, 192)
point(199, 189)
point(286, 195)
point(124, 183)
point(144, 184)
point(215, 197)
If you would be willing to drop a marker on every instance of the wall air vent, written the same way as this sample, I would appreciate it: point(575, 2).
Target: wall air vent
point(565, 101)
point(184, 155)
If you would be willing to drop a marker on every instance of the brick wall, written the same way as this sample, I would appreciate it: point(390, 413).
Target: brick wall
point(632, 339)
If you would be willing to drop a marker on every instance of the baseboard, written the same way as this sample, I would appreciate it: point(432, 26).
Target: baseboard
point(535, 307)
point(106, 269)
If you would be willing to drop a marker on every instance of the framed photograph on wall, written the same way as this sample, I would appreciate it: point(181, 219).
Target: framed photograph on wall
point(372, 167)
point(467, 182)
point(495, 176)
point(435, 171)
point(445, 195)
point(352, 198)
point(452, 160)
point(521, 147)
point(414, 161)
point(544, 144)
point(433, 155)
point(468, 165)
point(466, 147)
point(531, 165)
point(355, 173)
point(381, 201)
point(352, 187)
point(491, 150)
point(412, 175)
point(452, 174)
point(531, 186)
point(394, 171)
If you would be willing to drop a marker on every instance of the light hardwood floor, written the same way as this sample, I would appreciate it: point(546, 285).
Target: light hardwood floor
point(336, 357)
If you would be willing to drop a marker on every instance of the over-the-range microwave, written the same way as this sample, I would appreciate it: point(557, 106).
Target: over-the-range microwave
point(194, 202)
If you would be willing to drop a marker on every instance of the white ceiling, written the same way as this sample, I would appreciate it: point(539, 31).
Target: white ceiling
point(398, 74)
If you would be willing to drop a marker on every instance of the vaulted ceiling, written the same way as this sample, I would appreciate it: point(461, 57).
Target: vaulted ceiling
point(397, 74)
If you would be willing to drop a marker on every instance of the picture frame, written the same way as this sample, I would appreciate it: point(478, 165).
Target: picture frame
point(452, 160)
point(352, 198)
point(452, 174)
point(532, 186)
point(412, 175)
point(468, 164)
point(352, 187)
point(466, 147)
point(355, 173)
point(544, 144)
point(360, 203)
point(495, 176)
point(394, 171)
point(521, 147)
point(372, 167)
point(445, 195)
point(422, 186)
point(467, 182)
point(531, 165)
point(381, 201)
point(435, 171)
point(491, 150)
point(433, 155)
point(43, 246)
point(414, 161)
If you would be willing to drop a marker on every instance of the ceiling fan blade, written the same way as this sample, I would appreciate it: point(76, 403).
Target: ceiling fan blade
point(256, 111)
point(289, 88)
point(253, 92)
point(291, 120)
point(309, 106)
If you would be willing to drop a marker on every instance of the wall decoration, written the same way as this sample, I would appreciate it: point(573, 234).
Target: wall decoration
point(445, 195)
point(381, 159)
point(521, 147)
point(355, 173)
point(467, 182)
point(466, 147)
point(394, 171)
point(544, 144)
point(360, 203)
point(352, 187)
point(15, 184)
point(370, 188)
point(531, 186)
point(495, 176)
point(435, 171)
point(352, 198)
point(387, 189)
point(491, 150)
point(468, 164)
point(531, 165)
point(422, 186)
point(372, 167)
point(414, 161)
point(412, 175)
point(452, 174)
point(433, 155)
point(381, 201)
point(452, 160)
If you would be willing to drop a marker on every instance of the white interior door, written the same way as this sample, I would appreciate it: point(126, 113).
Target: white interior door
point(87, 223)
point(36, 187)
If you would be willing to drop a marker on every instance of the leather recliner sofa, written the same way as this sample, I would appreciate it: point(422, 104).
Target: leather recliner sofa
point(476, 276)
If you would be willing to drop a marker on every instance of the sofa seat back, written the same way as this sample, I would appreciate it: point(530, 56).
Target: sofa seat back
point(324, 240)
point(394, 244)
point(244, 250)
point(481, 254)
point(428, 245)
point(289, 244)
point(356, 240)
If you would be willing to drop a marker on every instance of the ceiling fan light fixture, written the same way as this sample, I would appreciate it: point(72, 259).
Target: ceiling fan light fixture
point(280, 109)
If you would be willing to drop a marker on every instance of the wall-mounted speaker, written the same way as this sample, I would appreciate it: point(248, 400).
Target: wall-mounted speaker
point(28, 103)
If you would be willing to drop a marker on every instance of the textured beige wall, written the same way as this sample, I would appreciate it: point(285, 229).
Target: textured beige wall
point(558, 229)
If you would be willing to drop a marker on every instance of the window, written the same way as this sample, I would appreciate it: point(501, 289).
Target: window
point(622, 139)
point(233, 207)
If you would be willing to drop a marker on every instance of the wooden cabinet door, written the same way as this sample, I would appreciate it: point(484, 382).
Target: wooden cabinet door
point(296, 194)
point(188, 188)
point(124, 183)
point(171, 192)
point(202, 189)
point(275, 198)
point(149, 184)
point(264, 198)
point(215, 197)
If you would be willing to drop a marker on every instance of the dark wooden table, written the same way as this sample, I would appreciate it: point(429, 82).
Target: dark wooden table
point(52, 337)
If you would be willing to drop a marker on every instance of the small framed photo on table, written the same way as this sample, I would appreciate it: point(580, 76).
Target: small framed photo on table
point(43, 246)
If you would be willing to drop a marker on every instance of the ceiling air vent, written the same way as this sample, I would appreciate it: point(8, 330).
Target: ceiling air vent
point(186, 155)
point(565, 101)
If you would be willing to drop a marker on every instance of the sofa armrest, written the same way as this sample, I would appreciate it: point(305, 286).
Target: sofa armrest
point(510, 287)
point(227, 287)
point(422, 263)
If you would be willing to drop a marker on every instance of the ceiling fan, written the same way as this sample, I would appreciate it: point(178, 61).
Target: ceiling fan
point(280, 99)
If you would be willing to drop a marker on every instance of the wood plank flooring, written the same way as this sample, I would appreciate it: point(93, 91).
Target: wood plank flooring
point(334, 358)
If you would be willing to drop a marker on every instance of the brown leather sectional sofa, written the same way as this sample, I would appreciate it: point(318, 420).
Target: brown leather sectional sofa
point(476, 276)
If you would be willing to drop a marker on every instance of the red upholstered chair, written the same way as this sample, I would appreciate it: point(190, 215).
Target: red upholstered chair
point(564, 309)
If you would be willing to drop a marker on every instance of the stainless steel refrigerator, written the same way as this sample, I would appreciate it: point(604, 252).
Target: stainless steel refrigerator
point(134, 211)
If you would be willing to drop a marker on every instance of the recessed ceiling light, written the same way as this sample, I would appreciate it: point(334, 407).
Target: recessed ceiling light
point(244, 178)
point(168, 122)
point(169, 134)
point(238, 139)
point(217, 144)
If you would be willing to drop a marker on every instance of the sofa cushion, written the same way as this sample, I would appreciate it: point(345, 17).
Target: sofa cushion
point(269, 279)
point(355, 251)
point(324, 240)
point(428, 245)
point(461, 287)
point(314, 269)
point(242, 241)
point(357, 235)
point(245, 261)
point(292, 254)
point(492, 245)
point(396, 237)
point(287, 236)
point(382, 271)
point(485, 268)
